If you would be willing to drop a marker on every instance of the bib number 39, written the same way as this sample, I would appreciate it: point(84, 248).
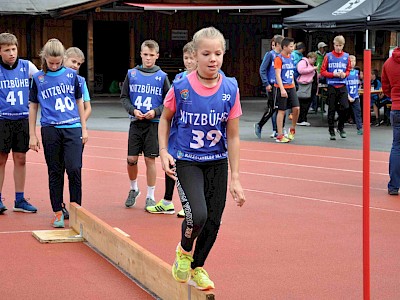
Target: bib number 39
point(64, 104)
point(198, 137)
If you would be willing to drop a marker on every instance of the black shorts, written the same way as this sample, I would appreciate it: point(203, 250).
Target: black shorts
point(283, 103)
point(143, 137)
point(14, 136)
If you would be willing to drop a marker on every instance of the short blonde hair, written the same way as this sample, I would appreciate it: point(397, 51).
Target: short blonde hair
point(53, 48)
point(352, 57)
point(339, 40)
point(151, 44)
point(312, 54)
point(75, 52)
point(8, 39)
point(188, 48)
point(208, 33)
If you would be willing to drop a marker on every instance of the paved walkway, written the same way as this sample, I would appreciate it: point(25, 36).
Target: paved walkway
point(108, 114)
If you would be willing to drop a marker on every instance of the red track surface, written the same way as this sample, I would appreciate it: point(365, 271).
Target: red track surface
point(299, 235)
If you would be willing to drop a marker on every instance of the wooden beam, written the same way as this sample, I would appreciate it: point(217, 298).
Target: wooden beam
point(145, 267)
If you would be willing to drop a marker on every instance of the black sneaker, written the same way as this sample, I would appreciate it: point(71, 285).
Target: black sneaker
point(393, 192)
point(2, 207)
point(342, 133)
point(131, 200)
point(65, 212)
point(332, 136)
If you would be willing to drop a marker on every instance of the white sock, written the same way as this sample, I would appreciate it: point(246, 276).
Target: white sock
point(150, 192)
point(134, 185)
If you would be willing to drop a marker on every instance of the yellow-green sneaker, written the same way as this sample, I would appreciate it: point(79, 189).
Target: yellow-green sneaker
point(161, 208)
point(200, 280)
point(291, 134)
point(181, 266)
point(181, 213)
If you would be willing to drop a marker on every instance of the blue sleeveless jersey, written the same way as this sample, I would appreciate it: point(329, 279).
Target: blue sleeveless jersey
point(271, 69)
point(337, 64)
point(198, 129)
point(14, 91)
point(353, 83)
point(146, 91)
point(287, 70)
point(56, 95)
point(180, 76)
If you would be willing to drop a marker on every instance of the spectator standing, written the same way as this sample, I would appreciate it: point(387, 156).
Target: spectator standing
point(353, 84)
point(267, 73)
point(336, 67)
point(308, 81)
point(391, 88)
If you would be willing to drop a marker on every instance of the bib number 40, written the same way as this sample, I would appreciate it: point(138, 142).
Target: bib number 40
point(64, 104)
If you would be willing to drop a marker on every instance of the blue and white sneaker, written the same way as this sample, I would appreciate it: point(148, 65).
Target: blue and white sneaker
point(24, 206)
point(58, 220)
point(2, 207)
point(257, 130)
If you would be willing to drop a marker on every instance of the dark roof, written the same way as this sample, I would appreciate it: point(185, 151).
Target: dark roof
point(348, 15)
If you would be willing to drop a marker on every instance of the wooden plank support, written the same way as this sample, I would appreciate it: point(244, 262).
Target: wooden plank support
point(145, 267)
point(57, 236)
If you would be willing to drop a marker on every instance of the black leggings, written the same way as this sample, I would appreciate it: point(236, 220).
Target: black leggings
point(63, 151)
point(202, 189)
point(169, 188)
point(269, 109)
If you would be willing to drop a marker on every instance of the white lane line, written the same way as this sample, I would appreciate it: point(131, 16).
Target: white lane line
point(310, 166)
point(311, 180)
point(315, 155)
point(18, 231)
point(322, 200)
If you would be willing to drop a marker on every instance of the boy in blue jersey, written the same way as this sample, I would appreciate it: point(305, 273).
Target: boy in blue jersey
point(142, 96)
point(286, 96)
point(14, 112)
point(73, 59)
point(63, 130)
point(335, 68)
point(353, 84)
point(267, 74)
point(165, 205)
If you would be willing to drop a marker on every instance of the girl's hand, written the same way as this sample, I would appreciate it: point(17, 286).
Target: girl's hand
point(284, 93)
point(237, 192)
point(34, 143)
point(85, 136)
point(168, 163)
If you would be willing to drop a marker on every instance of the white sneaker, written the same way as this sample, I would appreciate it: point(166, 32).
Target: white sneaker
point(274, 134)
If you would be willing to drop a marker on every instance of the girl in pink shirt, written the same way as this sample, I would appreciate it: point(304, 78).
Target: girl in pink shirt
point(199, 124)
